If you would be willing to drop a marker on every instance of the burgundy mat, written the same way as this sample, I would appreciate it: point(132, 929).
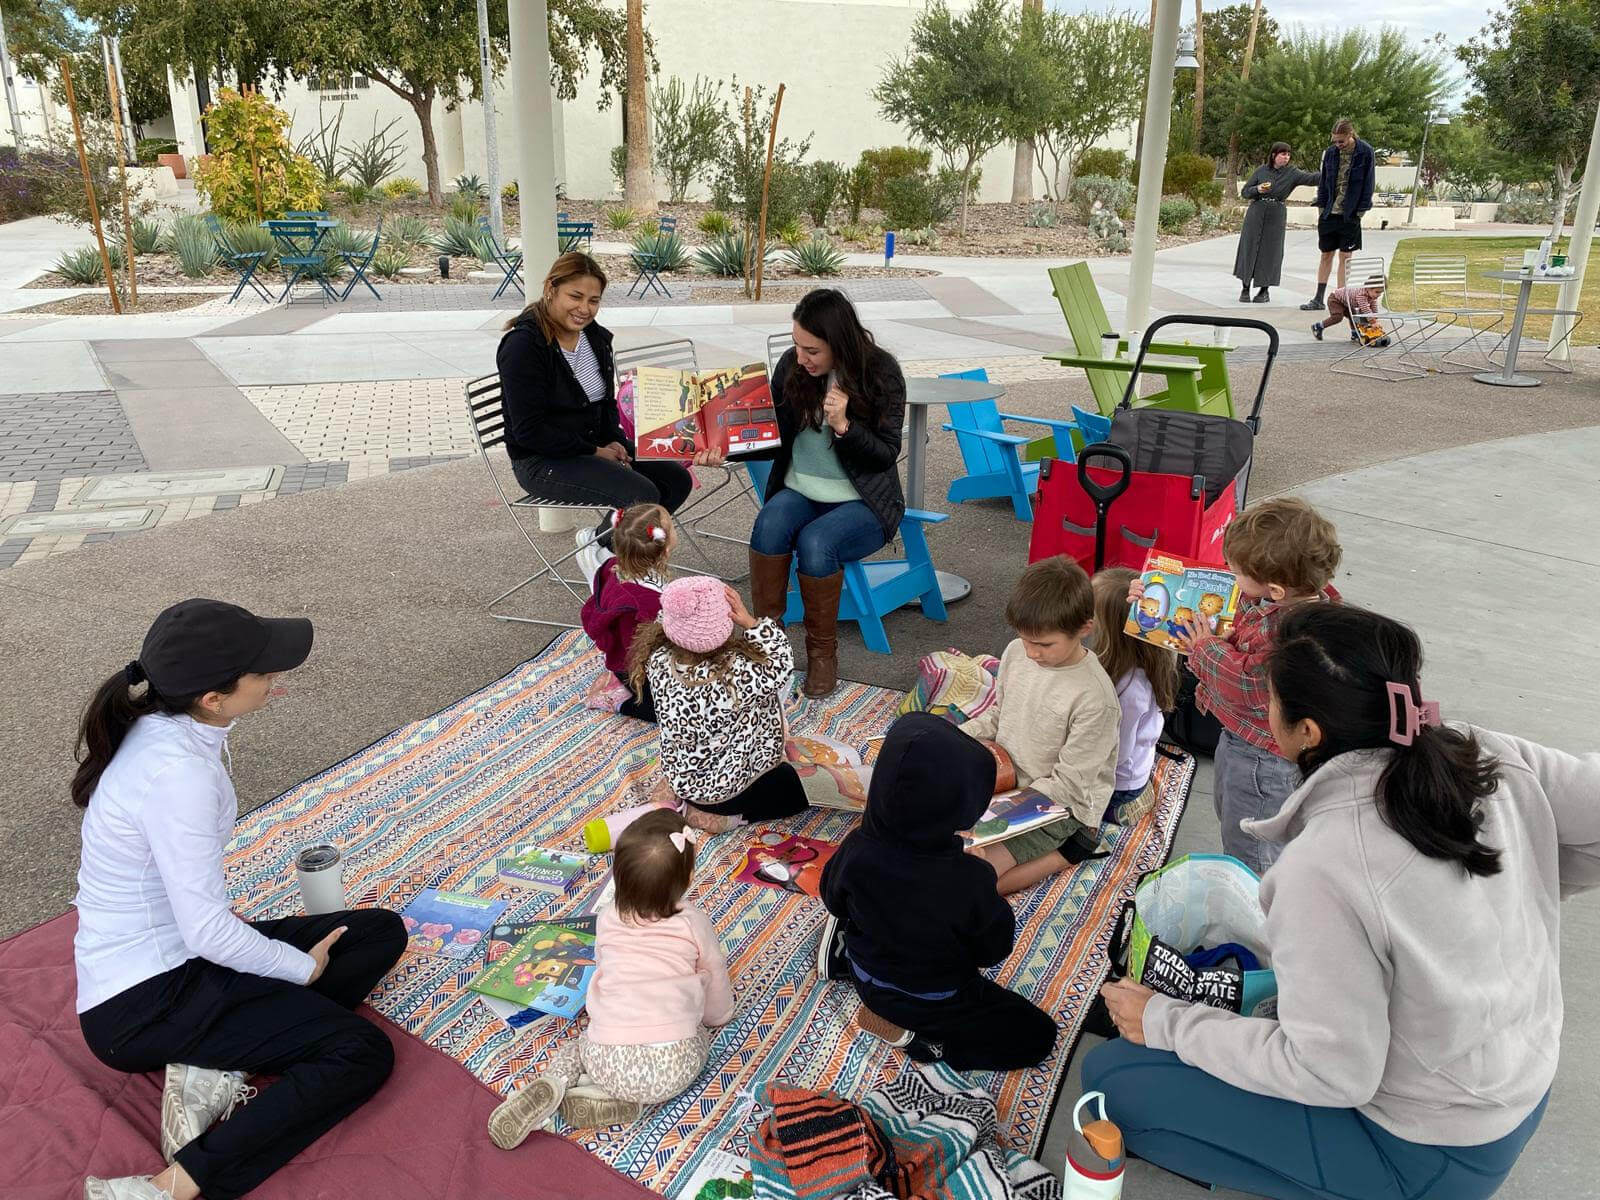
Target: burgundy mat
point(63, 1114)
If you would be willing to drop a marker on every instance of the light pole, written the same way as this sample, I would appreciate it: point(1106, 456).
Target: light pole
point(491, 138)
point(1167, 54)
point(1422, 154)
point(11, 89)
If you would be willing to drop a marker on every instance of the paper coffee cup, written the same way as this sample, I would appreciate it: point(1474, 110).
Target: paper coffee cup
point(1221, 335)
point(1530, 259)
point(320, 870)
point(1108, 344)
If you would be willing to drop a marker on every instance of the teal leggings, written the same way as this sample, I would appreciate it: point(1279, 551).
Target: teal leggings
point(1193, 1124)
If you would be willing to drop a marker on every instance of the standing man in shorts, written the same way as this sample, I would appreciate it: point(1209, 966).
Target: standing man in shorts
point(1343, 194)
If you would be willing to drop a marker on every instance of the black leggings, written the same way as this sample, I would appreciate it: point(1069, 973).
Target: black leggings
point(983, 1027)
point(768, 797)
point(604, 483)
point(640, 705)
point(328, 1059)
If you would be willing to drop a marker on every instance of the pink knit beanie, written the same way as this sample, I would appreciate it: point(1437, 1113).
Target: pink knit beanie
point(695, 613)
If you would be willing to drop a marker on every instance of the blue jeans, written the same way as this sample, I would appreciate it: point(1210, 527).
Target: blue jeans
point(1194, 1124)
point(1250, 783)
point(825, 536)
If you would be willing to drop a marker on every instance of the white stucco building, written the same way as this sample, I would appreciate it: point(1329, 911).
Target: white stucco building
point(829, 53)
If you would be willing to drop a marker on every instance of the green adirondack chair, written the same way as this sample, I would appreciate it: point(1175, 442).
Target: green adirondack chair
point(1196, 377)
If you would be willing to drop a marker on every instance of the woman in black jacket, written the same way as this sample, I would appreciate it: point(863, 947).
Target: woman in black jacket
point(560, 397)
point(834, 494)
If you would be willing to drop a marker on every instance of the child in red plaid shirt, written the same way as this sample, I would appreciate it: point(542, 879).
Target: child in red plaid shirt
point(1284, 553)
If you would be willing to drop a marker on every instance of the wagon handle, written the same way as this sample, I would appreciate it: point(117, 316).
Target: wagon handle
point(1254, 419)
point(1103, 495)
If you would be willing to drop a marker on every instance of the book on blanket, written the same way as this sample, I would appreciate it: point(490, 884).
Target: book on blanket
point(548, 969)
point(831, 773)
point(550, 871)
point(1177, 590)
point(504, 936)
point(793, 864)
point(718, 1176)
point(676, 413)
point(1011, 813)
point(449, 924)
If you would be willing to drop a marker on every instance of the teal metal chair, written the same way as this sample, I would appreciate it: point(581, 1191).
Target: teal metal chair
point(1000, 463)
point(874, 588)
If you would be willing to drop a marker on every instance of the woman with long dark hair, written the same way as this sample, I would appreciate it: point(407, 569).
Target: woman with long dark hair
point(1260, 254)
point(834, 495)
point(168, 977)
point(1413, 922)
point(559, 388)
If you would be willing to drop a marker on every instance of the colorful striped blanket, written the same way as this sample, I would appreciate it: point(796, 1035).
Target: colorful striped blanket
point(523, 761)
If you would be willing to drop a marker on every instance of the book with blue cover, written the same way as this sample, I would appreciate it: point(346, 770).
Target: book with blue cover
point(449, 924)
point(1179, 591)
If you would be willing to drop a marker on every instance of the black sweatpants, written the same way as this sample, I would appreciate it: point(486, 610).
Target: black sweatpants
point(983, 1027)
point(770, 796)
point(640, 705)
point(328, 1059)
point(590, 479)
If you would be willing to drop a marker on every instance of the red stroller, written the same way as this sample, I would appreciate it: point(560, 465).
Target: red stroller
point(1177, 478)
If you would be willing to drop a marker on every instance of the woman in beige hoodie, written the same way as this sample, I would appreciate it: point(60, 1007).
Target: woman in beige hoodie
point(1414, 926)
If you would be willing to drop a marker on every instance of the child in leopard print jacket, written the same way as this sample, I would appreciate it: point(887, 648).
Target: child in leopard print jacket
point(718, 677)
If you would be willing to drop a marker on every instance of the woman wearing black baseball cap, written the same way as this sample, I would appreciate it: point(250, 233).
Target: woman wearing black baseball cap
point(168, 976)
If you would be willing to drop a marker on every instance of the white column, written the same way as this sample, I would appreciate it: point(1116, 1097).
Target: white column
point(184, 115)
point(1582, 236)
point(491, 141)
point(1152, 162)
point(531, 105)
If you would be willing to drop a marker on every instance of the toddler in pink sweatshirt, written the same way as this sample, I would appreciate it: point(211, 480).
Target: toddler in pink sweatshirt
point(660, 987)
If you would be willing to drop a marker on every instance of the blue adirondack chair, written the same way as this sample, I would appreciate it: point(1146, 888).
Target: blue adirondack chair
point(999, 463)
point(874, 589)
point(1092, 425)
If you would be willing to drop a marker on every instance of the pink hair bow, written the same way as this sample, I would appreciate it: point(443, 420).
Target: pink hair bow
point(1406, 716)
point(683, 839)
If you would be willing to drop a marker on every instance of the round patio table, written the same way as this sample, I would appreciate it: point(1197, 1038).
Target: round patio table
point(1507, 376)
point(921, 395)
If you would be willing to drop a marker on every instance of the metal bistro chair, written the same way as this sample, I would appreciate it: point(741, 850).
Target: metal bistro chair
point(573, 235)
point(507, 259)
point(358, 261)
point(1367, 361)
point(243, 263)
point(301, 262)
point(486, 416)
point(679, 355)
point(1447, 274)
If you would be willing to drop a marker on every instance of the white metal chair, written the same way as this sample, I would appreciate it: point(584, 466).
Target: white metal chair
point(1447, 274)
point(1387, 363)
point(486, 416)
point(1508, 298)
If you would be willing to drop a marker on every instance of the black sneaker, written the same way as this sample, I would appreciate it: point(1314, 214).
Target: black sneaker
point(1311, 306)
point(1263, 297)
point(831, 960)
point(1244, 295)
point(1316, 330)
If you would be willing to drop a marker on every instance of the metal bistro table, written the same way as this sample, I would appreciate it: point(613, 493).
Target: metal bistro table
point(1507, 376)
point(921, 395)
point(288, 232)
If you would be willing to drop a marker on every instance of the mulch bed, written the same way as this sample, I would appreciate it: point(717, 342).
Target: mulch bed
point(99, 304)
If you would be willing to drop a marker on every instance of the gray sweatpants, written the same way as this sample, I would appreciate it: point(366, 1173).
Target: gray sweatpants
point(1250, 783)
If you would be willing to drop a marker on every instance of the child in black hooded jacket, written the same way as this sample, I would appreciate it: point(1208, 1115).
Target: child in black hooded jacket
point(914, 917)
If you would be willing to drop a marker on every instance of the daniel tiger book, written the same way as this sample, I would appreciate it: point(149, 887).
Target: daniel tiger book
point(1179, 590)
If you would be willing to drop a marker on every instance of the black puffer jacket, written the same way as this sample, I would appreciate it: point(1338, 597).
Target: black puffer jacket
point(547, 413)
point(867, 451)
point(918, 911)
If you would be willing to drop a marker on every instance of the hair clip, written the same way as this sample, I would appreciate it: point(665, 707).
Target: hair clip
point(616, 517)
point(1406, 717)
point(657, 534)
point(683, 839)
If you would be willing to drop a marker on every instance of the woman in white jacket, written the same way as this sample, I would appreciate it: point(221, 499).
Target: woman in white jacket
point(1414, 926)
point(168, 976)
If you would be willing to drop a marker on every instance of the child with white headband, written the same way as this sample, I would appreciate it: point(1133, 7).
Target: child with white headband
point(626, 583)
point(660, 988)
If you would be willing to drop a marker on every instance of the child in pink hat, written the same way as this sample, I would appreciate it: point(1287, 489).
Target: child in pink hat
point(718, 677)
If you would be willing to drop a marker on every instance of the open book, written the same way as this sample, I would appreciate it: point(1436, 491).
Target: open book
point(676, 413)
point(1177, 590)
point(1011, 813)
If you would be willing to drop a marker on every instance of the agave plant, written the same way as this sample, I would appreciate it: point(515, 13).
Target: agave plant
point(193, 246)
point(714, 222)
point(246, 238)
point(344, 239)
point(406, 232)
point(82, 266)
point(667, 250)
point(463, 207)
point(389, 261)
point(471, 185)
point(147, 236)
point(463, 239)
point(621, 219)
point(818, 256)
point(725, 254)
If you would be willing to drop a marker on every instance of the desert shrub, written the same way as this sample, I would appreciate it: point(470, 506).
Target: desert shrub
point(1041, 216)
point(463, 207)
point(815, 256)
point(402, 188)
point(824, 184)
point(375, 157)
point(1099, 160)
point(790, 233)
point(248, 141)
point(1210, 218)
point(920, 201)
point(715, 221)
point(1175, 213)
point(888, 163)
point(1109, 232)
point(857, 190)
point(621, 219)
point(1090, 191)
point(389, 261)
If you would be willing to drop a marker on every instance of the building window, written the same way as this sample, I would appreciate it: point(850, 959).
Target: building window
point(361, 81)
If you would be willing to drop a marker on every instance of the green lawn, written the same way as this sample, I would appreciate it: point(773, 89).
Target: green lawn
point(1485, 254)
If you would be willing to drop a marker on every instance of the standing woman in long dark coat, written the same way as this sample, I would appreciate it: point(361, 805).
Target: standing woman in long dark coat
point(1260, 255)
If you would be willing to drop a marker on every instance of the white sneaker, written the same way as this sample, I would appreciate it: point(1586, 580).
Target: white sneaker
point(529, 1108)
point(129, 1187)
point(195, 1099)
point(591, 554)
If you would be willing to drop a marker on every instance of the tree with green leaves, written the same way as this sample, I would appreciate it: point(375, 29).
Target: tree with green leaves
point(956, 88)
point(1227, 32)
point(38, 34)
point(1091, 69)
point(691, 126)
point(742, 169)
point(1537, 70)
point(1381, 82)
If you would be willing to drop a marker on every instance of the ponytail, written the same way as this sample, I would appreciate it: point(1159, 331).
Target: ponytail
point(1333, 665)
point(108, 716)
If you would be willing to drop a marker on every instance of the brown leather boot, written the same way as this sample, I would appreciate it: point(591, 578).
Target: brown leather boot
point(821, 599)
point(769, 584)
